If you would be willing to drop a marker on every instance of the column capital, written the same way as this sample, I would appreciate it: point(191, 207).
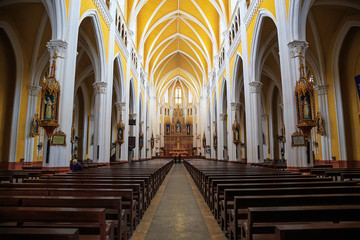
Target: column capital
point(131, 33)
point(33, 90)
point(255, 87)
point(235, 106)
point(100, 87)
point(223, 116)
point(321, 89)
point(120, 106)
point(132, 115)
point(297, 48)
point(57, 46)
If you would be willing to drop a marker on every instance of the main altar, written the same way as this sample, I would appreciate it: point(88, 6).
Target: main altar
point(178, 135)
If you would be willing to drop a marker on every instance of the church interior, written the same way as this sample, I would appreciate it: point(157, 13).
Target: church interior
point(258, 100)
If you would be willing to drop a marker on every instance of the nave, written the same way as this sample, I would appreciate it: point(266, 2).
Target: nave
point(197, 199)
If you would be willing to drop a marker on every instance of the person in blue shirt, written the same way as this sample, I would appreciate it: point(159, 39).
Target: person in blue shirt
point(76, 166)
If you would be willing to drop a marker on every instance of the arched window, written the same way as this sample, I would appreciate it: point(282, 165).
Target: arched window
point(178, 95)
point(190, 97)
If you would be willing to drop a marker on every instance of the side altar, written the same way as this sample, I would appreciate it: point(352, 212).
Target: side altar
point(178, 135)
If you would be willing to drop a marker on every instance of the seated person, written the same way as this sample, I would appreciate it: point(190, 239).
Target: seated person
point(76, 166)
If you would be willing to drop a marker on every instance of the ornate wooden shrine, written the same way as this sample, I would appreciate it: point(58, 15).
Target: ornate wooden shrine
point(178, 135)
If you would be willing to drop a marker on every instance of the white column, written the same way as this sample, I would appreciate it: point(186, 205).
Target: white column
point(324, 111)
point(31, 110)
point(109, 77)
point(296, 156)
point(100, 110)
point(61, 155)
point(257, 144)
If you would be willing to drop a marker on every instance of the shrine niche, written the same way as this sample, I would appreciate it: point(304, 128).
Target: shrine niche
point(178, 137)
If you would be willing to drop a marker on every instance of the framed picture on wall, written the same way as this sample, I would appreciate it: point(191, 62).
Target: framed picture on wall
point(298, 140)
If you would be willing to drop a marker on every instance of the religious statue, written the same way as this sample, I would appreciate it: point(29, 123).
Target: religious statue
point(167, 129)
point(188, 129)
point(320, 124)
point(35, 126)
point(178, 127)
point(236, 132)
point(307, 108)
point(48, 109)
point(236, 135)
point(120, 133)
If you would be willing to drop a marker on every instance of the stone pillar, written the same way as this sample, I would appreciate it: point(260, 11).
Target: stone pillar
point(257, 144)
point(99, 134)
point(31, 111)
point(60, 156)
point(296, 156)
point(324, 111)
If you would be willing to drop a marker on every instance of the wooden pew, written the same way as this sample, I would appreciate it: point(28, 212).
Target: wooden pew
point(219, 195)
point(242, 203)
point(143, 189)
point(349, 175)
point(208, 184)
point(148, 184)
point(230, 194)
point(39, 233)
point(111, 204)
point(318, 231)
point(135, 187)
point(86, 219)
point(257, 180)
point(128, 202)
point(262, 220)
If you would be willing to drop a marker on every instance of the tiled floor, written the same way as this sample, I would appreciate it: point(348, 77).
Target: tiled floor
point(178, 212)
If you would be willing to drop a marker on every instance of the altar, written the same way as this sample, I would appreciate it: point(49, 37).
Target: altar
point(178, 137)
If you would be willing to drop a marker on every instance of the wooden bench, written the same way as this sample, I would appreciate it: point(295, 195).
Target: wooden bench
point(209, 179)
point(318, 231)
point(242, 203)
point(219, 197)
point(87, 220)
point(350, 176)
point(138, 196)
point(111, 204)
point(39, 233)
point(257, 180)
point(230, 194)
point(148, 184)
point(143, 189)
point(262, 220)
point(128, 202)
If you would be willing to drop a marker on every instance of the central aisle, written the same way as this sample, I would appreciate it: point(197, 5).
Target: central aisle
point(178, 215)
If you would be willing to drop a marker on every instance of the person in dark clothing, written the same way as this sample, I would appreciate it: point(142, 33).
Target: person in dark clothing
point(179, 158)
point(76, 166)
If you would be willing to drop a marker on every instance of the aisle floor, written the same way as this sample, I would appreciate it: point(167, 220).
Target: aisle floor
point(177, 215)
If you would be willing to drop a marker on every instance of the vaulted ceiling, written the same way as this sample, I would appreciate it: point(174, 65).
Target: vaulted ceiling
point(177, 39)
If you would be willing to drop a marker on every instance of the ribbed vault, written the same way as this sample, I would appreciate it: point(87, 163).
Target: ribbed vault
point(177, 39)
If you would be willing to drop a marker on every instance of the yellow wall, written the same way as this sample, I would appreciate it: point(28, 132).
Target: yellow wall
point(7, 91)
